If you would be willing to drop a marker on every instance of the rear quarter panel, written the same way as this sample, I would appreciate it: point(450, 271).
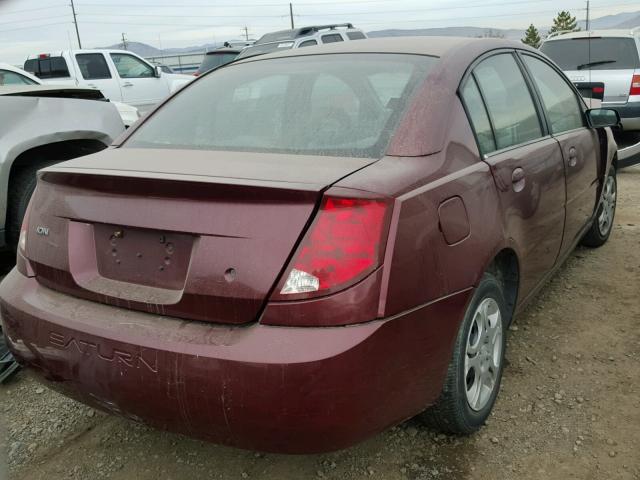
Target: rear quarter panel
point(420, 265)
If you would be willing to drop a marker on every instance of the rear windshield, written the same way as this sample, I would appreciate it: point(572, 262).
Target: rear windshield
point(337, 105)
point(50, 67)
point(266, 48)
point(215, 60)
point(593, 54)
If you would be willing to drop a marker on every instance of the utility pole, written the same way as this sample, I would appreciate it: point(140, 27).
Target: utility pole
point(75, 21)
point(124, 41)
point(588, 15)
point(291, 15)
point(246, 33)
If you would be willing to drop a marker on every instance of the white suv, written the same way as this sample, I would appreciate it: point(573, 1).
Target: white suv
point(606, 62)
point(303, 37)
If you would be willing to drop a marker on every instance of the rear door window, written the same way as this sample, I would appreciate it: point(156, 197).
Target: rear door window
point(560, 101)
point(510, 104)
point(332, 37)
point(356, 35)
point(593, 53)
point(47, 67)
point(93, 66)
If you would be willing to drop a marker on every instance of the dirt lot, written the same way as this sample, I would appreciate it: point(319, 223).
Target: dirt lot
point(569, 406)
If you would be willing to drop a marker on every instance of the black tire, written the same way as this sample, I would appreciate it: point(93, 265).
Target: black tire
point(452, 413)
point(21, 188)
point(599, 233)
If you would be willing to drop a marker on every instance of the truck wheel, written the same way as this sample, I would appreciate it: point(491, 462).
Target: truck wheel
point(600, 231)
point(21, 187)
point(473, 378)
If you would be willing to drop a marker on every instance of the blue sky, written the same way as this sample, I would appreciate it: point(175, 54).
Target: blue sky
point(33, 26)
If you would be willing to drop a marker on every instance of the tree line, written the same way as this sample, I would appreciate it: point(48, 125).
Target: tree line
point(564, 22)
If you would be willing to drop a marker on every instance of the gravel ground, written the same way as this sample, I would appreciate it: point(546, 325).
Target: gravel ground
point(569, 405)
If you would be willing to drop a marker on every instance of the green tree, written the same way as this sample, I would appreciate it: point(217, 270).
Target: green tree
point(564, 22)
point(532, 37)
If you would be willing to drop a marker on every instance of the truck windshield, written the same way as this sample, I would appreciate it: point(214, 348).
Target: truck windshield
point(335, 105)
point(596, 53)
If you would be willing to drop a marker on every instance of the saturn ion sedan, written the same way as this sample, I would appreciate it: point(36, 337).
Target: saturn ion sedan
point(300, 250)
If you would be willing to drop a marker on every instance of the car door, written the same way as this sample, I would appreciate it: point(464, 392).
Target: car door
point(580, 145)
point(96, 73)
point(525, 161)
point(141, 87)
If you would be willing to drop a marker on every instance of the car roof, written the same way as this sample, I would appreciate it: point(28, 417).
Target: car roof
point(596, 33)
point(424, 45)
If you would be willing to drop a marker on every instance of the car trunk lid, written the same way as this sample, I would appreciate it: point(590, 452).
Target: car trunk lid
point(195, 234)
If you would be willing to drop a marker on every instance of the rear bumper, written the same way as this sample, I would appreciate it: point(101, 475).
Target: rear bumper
point(276, 389)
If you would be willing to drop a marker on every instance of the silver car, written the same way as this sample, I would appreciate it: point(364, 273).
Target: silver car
point(607, 62)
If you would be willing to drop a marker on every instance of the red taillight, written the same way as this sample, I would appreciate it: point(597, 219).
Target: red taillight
point(635, 85)
point(343, 245)
point(196, 74)
point(42, 56)
point(598, 89)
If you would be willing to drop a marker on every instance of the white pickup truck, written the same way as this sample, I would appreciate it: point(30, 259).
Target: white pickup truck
point(122, 76)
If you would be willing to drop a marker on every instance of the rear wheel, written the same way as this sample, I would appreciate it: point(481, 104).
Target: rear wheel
point(475, 371)
point(21, 188)
point(600, 231)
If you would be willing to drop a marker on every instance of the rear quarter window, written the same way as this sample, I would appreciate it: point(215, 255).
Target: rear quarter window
point(593, 54)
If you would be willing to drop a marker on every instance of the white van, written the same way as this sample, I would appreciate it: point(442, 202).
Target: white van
point(121, 75)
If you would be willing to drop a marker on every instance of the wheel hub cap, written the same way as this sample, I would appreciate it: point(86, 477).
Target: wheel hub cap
point(483, 353)
point(605, 220)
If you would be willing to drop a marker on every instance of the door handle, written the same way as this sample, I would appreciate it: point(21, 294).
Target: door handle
point(573, 157)
point(127, 84)
point(518, 180)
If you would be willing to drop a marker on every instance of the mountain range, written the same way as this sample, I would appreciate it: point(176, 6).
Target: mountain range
point(620, 20)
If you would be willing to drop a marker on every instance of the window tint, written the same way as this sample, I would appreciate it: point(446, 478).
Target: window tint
point(478, 116)
point(308, 43)
point(129, 66)
point(311, 104)
point(93, 66)
point(13, 78)
point(332, 37)
point(560, 102)
point(356, 35)
point(49, 67)
point(593, 54)
point(509, 102)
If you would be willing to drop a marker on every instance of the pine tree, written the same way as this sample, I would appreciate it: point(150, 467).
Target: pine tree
point(532, 37)
point(564, 22)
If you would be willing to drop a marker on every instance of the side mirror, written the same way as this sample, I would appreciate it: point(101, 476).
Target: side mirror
point(603, 117)
point(158, 71)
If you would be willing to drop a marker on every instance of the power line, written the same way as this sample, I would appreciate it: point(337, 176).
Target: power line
point(34, 19)
point(33, 9)
point(174, 16)
point(34, 26)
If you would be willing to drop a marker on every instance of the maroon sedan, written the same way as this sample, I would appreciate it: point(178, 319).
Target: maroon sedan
point(300, 250)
